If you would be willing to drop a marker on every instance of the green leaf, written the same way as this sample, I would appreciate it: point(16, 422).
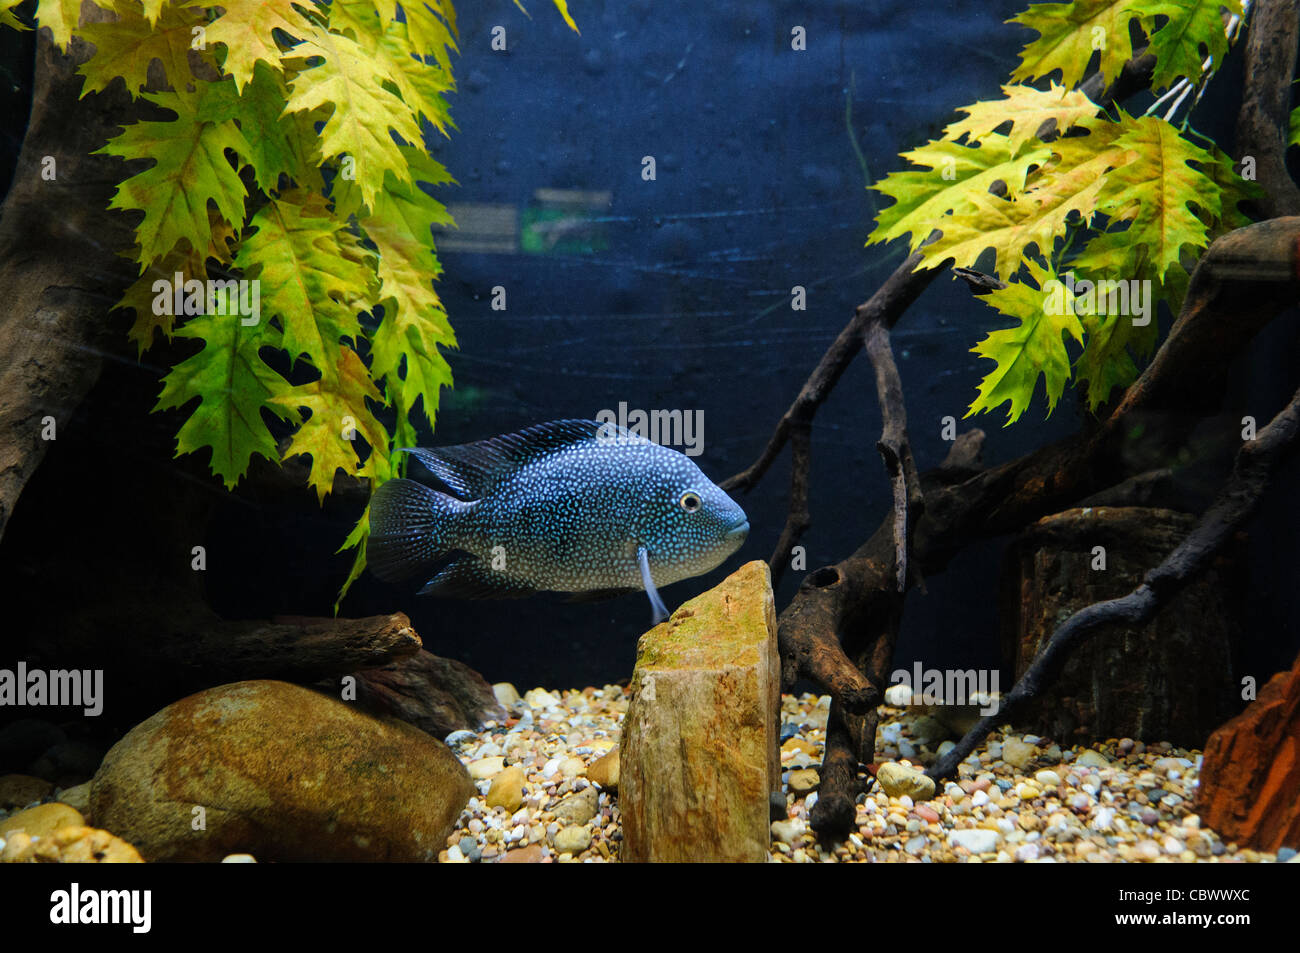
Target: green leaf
point(405, 345)
point(389, 46)
point(1295, 127)
point(7, 17)
point(190, 171)
point(125, 47)
point(1034, 348)
point(1154, 192)
point(1070, 33)
point(1233, 190)
point(279, 143)
point(363, 115)
point(141, 295)
point(338, 414)
point(233, 384)
point(292, 249)
point(955, 177)
point(430, 33)
point(1193, 30)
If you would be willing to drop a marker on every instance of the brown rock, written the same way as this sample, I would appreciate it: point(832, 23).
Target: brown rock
point(18, 849)
point(1251, 771)
point(19, 790)
point(42, 820)
point(507, 789)
point(283, 773)
point(77, 796)
point(532, 854)
point(71, 845)
point(804, 780)
point(577, 808)
point(437, 695)
point(604, 770)
point(699, 752)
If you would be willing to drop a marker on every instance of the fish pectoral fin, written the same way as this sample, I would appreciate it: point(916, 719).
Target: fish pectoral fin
point(468, 577)
point(600, 595)
point(656, 604)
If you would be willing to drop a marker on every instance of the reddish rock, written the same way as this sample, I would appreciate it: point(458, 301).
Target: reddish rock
point(532, 854)
point(1251, 771)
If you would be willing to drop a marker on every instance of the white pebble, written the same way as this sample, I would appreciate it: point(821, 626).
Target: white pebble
point(977, 841)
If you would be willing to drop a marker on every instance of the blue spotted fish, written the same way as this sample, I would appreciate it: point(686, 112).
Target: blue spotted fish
point(568, 506)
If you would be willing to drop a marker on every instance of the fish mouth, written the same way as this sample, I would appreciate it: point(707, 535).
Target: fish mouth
point(740, 530)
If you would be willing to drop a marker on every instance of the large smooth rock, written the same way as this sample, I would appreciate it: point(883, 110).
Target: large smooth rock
point(1251, 772)
point(282, 772)
point(699, 753)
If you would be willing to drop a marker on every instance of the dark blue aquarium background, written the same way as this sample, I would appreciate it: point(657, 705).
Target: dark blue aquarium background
point(676, 294)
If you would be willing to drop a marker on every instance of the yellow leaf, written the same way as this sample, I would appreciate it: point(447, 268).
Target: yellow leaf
point(955, 178)
point(364, 113)
point(339, 414)
point(245, 30)
point(62, 17)
point(1027, 109)
point(1070, 33)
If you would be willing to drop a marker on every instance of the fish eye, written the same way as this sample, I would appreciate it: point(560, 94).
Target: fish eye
point(690, 501)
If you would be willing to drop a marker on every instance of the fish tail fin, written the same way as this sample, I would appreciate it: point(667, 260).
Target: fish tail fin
point(409, 528)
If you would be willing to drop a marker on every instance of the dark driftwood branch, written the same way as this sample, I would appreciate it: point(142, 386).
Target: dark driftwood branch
point(1263, 121)
point(894, 446)
point(59, 265)
point(883, 309)
point(894, 296)
point(1236, 501)
point(797, 518)
point(201, 647)
point(855, 604)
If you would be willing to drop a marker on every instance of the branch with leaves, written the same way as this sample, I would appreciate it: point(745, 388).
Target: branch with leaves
point(287, 150)
point(1046, 182)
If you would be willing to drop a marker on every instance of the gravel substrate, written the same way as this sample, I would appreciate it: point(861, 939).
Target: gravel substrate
point(1019, 798)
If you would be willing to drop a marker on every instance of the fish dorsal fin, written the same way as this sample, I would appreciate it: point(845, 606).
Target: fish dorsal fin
point(472, 470)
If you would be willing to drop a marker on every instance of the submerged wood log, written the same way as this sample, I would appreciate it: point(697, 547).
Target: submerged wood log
point(1251, 771)
point(1168, 680)
point(1236, 502)
point(699, 755)
point(212, 650)
point(437, 695)
point(59, 263)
